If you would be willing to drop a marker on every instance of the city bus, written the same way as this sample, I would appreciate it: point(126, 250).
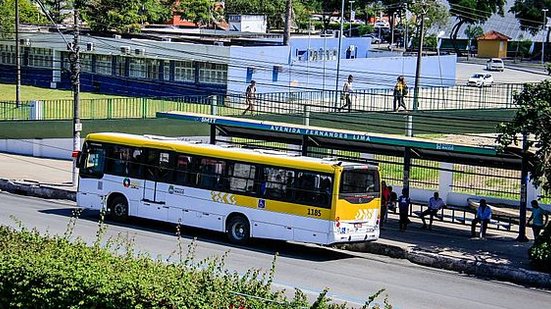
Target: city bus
point(238, 191)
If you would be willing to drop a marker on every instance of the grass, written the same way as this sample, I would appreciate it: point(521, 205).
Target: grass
point(28, 93)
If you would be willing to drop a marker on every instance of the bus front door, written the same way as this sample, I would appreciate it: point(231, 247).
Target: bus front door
point(157, 170)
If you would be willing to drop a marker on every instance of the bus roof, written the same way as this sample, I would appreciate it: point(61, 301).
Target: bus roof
point(259, 156)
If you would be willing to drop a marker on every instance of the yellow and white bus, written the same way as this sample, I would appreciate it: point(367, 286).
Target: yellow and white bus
point(242, 192)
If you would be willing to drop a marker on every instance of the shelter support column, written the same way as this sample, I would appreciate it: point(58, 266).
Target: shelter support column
point(213, 134)
point(445, 180)
point(304, 146)
point(407, 168)
point(523, 190)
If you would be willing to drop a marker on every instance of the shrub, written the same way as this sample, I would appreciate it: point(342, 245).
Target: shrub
point(540, 252)
point(43, 271)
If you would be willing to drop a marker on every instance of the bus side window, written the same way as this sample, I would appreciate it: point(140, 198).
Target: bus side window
point(183, 170)
point(211, 174)
point(241, 177)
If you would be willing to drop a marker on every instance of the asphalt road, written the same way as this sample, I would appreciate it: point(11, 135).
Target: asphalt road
point(509, 75)
point(350, 277)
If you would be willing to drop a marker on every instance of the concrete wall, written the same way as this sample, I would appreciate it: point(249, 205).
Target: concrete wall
point(381, 72)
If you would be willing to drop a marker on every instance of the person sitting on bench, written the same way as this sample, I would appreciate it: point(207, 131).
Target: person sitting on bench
point(483, 216)
point(435, 204)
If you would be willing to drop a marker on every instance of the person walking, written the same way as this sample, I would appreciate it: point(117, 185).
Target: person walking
point(483, 216)
point(250, 97)
point(400, 91)
point(435, 204)
point(403, 208)
point(537, 218)
point(347, 93)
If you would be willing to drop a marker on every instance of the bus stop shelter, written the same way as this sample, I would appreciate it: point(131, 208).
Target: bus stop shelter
point(409, 148)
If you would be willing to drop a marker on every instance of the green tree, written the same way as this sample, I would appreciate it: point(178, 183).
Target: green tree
point(28, 14)
point(533, 117)
point(201, 12)
point(124, 16)
point(57, 9)
point(472, 12)
point(529, 14)
point(472, 32)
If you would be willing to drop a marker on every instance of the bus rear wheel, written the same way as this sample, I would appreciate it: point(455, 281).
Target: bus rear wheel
point(118, 209)
point(238, 230)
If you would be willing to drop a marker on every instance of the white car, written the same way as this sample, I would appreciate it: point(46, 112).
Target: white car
point(495, 64)
point(481, 80)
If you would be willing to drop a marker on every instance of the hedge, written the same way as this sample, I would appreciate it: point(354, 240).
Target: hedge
point(45, 271)
point(540, 252)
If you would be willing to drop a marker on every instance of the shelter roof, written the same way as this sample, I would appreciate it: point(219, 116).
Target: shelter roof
point(365, 142)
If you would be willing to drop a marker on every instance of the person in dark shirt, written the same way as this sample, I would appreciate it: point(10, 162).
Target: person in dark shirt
point(403, 208)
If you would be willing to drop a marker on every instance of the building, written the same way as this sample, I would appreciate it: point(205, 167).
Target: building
point(211, 63)
point(492, 44)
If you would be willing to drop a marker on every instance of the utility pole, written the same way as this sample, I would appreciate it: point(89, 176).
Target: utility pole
point(339, 57)
point(351, 16)
point(17, 58)
point(75, 79)
point(523, 190)
point(543, 36)
point(287, 32)
point(419, 54)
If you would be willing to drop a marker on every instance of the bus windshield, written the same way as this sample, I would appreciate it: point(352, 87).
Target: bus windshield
point(360, 182)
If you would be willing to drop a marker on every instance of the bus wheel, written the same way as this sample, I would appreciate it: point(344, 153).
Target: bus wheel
point(238, 230)
point(119, 209)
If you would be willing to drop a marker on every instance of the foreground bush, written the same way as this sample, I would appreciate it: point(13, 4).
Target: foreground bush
point(540, 252)
point(38, 271)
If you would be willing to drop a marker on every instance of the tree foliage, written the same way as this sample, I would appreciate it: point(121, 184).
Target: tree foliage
point(472, 12)
point(28, 14)
point(529, 14)
point(58, 9)
point(125, 16)
point(201, 12)
point(533, 118)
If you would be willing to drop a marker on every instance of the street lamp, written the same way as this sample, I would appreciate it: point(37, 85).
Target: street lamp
point(543, 35)
point(419, 54)
point(351, 16)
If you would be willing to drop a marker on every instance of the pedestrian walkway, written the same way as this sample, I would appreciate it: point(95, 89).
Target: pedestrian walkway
point(447, 246)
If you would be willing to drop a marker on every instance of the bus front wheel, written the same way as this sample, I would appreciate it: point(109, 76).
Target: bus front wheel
point(238, 230)
point(119, 209)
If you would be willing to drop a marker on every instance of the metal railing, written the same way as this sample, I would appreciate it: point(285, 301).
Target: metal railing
point(458, 97)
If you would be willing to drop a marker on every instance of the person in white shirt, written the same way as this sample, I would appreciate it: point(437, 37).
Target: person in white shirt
point(435, 204)
point(483, 216)
point(347, 93)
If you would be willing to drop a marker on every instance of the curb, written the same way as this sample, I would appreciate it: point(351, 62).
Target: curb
point(487, 270)
point(36, 189)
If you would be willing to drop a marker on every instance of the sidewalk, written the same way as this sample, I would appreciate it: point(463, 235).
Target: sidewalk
point(447, 246)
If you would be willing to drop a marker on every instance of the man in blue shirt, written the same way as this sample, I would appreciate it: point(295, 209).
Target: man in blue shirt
point(483, 216)
point(537, 218)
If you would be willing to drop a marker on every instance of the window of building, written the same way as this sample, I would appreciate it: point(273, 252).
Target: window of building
point(166, 70)
point(213, 73)
point(120, 66)
point(153, 67)
point(104, 64)
point(138, 68)
point(40, 57)
point(7, 54)
point(250, 72)
point(184, 71)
